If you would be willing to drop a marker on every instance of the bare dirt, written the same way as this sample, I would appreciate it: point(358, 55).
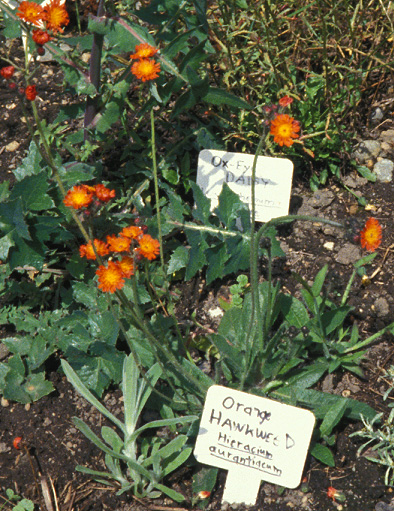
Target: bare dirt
point(56, 446)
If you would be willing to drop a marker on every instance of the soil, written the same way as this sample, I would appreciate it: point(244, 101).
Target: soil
point(56, 446)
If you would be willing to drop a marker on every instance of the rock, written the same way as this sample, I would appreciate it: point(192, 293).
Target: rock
point(382, 506)
point(348, 254)
point(387, 136)
point(382, 307)
point(366, 149)
point(320, 199)
point(384, 170)
point(12, 146)
point(355, 181)
point(4, 447)
point(376, 115)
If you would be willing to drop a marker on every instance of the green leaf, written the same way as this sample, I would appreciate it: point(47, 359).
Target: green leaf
point(238, 248)
point(24, 505)
point(12, 28)
point(319, 281)
point(4, 190)
point(230, 207)
point(119, 34)
point(293, 311)
point(27, 253)
point(185, 101)
point(332, 418)
point(216, 256)
point(18, 345)
point(174, 495)
point(307, 376)
point(201, 10)
point(87, 295)
point(197, 259)
point(334, 318)
point(112, 438)
point(204, 479)
point(222, 97)
point(31, 165)
point(37, 387)
point(109, 116)
point(202, 211)
point(178, 259)
point(76, 172)
point(323, 454)
point(6, 242)
point(74, 379)
point(33, 192)
point(11, 216)
point(17, 365)
point(366, 172)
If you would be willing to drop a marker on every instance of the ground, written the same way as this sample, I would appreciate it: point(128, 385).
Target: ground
point(56, 446)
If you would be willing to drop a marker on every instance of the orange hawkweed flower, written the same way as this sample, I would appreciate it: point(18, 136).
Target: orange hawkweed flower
point(88, 252)
point(7, 72)
point(31, 12)
point(284, 129)
point(148, 247)
point(78, 197)
point(110, 277)
point(285, 101)
point(143, 51)
point(40, 37)
point(118, 243)
point(371, 235)
point(31, 92)
point(56, 16)
point(145, 69)
point(132, 231)
point(126, 264)
point(104, 194)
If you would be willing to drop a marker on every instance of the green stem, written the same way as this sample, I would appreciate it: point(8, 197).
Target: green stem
point(254, 279)
point(156, 180)
point(46, 154)
point(254, 254)
point(349, 285)
point(372, 338)
point(268, 311)
point(159, 348)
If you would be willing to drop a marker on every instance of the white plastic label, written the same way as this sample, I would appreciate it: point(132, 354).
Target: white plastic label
point(273, 180)
point(254, 438)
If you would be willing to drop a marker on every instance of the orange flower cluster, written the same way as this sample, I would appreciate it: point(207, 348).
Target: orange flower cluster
point(132, 241)
point(371, 235)
point(284, 129)
point(54, 15)
point(145, 68)
point(131, 245)
point(81, 196)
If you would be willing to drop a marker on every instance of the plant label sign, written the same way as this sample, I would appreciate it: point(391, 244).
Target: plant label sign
point(273, 180)
point(254, 438)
